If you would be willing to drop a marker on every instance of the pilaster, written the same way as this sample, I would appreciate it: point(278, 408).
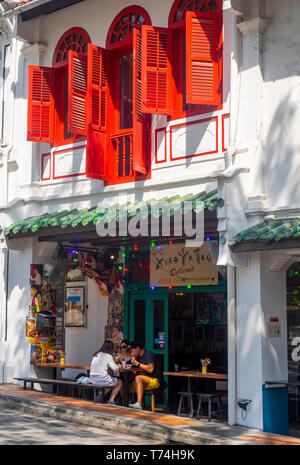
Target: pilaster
point(252, 97)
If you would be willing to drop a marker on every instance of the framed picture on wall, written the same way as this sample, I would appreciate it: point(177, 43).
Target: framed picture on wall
point(74, 309)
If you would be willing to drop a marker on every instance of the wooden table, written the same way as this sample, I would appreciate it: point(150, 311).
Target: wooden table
point(62, 366)
point(125, 371)
point(197, 374)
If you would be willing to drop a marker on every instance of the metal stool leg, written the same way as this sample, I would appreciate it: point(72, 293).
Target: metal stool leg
point(220, 407)
point(199, 406)
point(180, 405)
point(191, 406)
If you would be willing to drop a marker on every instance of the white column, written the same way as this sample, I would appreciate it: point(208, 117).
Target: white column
point(261, 295)
point(231, 336)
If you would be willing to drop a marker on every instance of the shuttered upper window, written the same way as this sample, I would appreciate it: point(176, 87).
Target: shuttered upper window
point(127, 123)
point(197, 67)
point(57, 96)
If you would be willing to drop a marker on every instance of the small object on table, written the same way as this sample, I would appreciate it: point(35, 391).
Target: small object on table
point(205, 362)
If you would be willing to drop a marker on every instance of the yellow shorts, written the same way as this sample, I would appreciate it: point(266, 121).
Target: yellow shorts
point(153, 384)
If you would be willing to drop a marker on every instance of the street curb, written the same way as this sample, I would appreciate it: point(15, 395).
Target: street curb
point(114, 423)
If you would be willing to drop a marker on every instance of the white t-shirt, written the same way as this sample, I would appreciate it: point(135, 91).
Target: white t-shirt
point(100, 364)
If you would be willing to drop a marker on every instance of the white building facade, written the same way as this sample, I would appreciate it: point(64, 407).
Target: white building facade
point(237, 136)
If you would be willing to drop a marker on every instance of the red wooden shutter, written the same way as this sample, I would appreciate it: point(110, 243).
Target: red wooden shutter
point(96, 162)
point(140, 120)
point(156, 70)
point(202, 67)
point(77, 75)
point(40, 125)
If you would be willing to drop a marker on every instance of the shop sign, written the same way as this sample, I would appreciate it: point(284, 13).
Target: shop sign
point(178, 265)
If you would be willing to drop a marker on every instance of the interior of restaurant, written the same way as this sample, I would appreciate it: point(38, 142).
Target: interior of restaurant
point(197, 330)
point(293, 328)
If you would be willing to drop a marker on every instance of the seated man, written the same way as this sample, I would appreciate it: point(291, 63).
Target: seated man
point(148, 372)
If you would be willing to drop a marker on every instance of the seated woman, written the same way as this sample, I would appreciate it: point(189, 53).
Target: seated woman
point(102, 363)
point(125, 354)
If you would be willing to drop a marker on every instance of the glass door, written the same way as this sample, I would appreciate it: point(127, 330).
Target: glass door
point(148, 324)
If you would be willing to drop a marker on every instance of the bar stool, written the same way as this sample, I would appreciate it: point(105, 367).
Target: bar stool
point(190, 404)
point(209, 398)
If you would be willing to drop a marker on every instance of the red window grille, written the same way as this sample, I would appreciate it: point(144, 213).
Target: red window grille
point(180, 8)
point(76, 39)
point(120, 33)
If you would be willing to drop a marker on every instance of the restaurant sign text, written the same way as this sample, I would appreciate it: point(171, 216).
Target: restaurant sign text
point(177, 265)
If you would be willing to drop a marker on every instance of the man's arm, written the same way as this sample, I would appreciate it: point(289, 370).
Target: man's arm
point(148, 367)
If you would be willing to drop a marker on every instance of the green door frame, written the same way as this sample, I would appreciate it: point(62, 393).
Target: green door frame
point(143, 290)
point(149, 322)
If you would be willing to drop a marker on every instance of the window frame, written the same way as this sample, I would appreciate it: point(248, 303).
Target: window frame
point(116, 51)
point(178, 32)
point(61, 69)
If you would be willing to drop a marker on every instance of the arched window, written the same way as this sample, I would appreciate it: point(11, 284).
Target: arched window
point(127, 125)
point(120, 33)
point(57, 96)
point(76, 39)
point(180, 8)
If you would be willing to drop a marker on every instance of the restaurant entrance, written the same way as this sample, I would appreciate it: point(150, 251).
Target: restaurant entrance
point(148, 324)
point(181, 326)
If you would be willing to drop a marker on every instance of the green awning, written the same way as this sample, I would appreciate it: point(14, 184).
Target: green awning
point(88, 218)
point(276, 234)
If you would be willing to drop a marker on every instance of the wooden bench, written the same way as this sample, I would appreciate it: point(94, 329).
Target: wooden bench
point(60, 382)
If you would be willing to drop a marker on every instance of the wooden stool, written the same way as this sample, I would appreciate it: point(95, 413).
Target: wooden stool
point(209, 398)
point(190, 404)
point(154, 394)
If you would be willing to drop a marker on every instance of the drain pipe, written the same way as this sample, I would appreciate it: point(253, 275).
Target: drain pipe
point(232, 345)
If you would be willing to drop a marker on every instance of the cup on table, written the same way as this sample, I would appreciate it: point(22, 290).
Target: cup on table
point(176, 367)
point(123, 364)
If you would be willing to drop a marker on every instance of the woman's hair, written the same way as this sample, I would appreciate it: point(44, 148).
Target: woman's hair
point(125, 341)
point(107, 348)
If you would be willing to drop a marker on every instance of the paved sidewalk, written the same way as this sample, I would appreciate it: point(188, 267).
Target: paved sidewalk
point(157, 426)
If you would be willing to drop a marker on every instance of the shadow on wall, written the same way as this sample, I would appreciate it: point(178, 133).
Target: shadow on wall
point(282, 162)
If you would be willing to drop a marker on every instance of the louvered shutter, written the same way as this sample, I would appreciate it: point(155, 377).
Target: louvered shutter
point(77, 93)
point(40, 125)
point(140, 120)
point(202, 67)
point(96, 162)
point(156, 70)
